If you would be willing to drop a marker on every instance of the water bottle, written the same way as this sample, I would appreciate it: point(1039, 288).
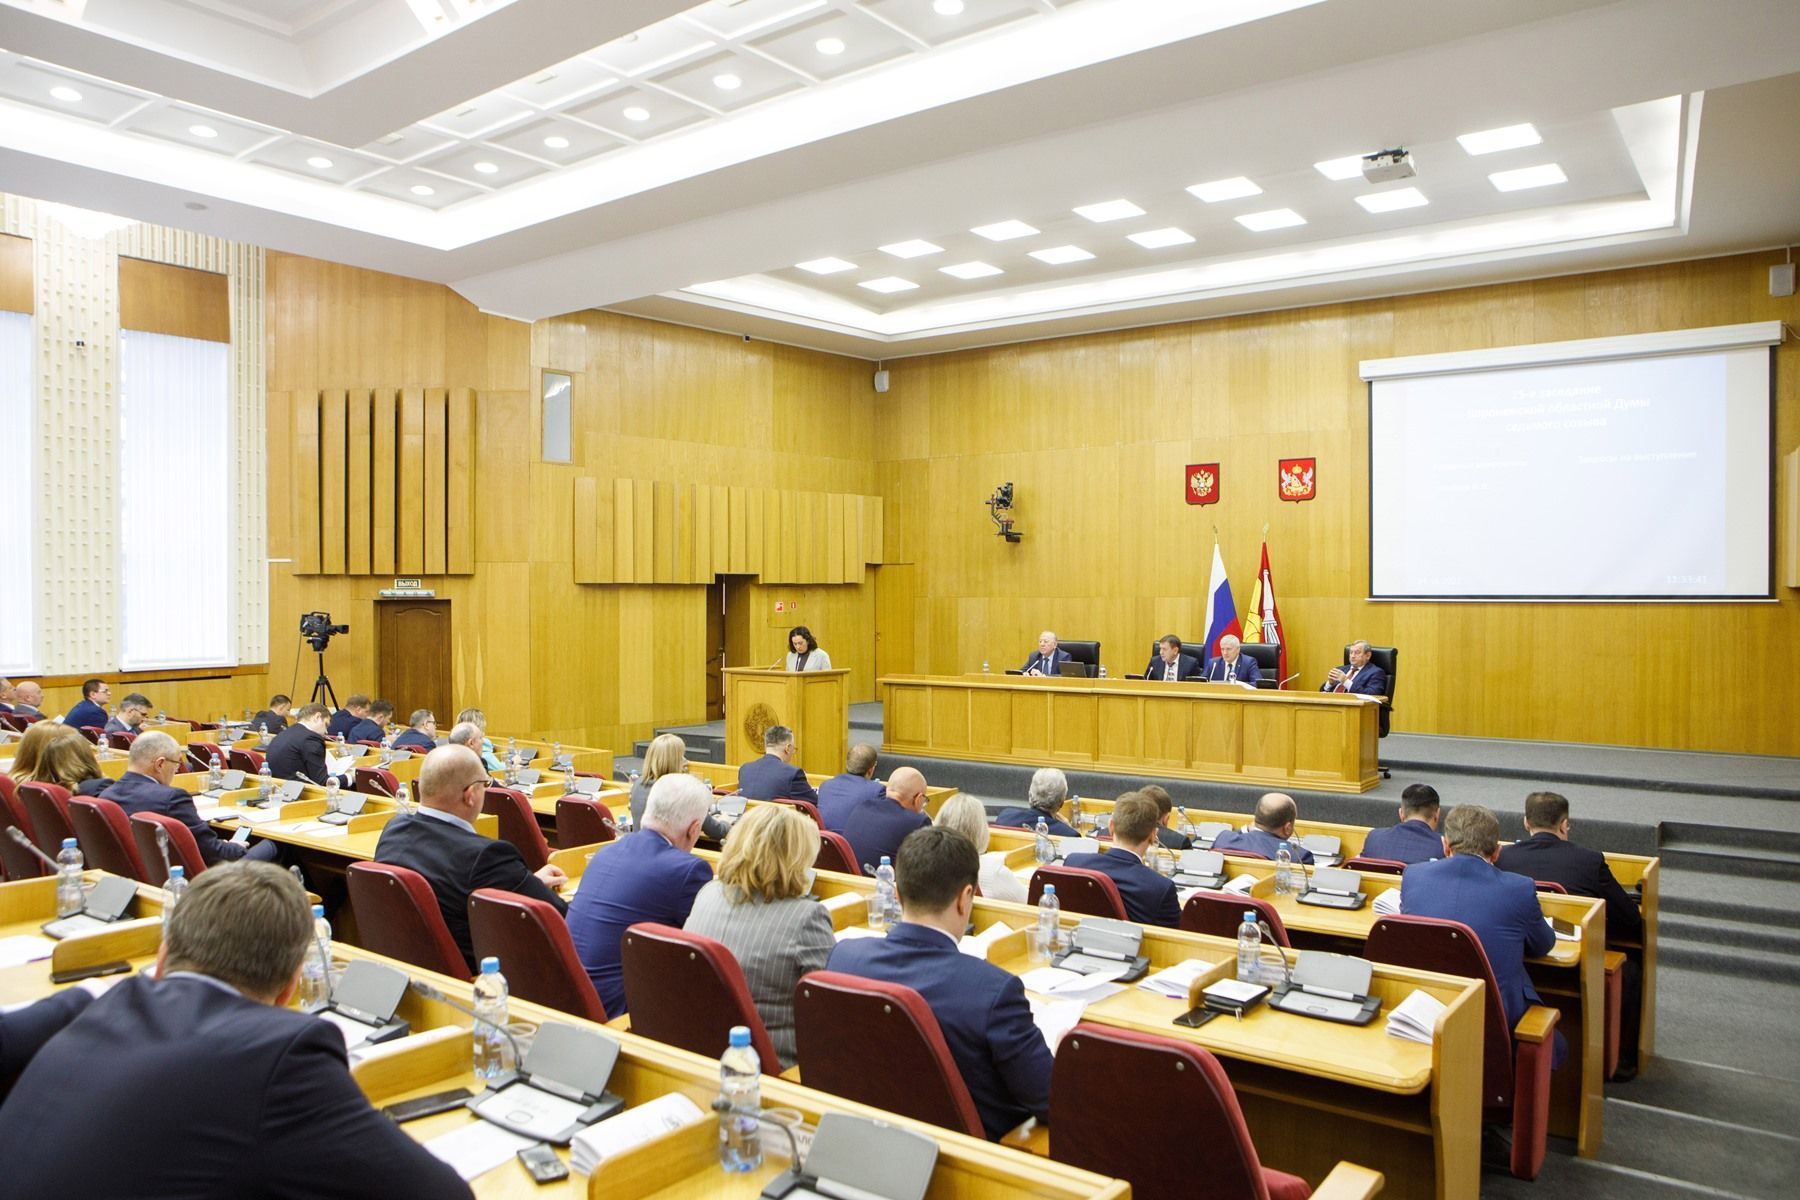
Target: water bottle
point(315, 968)
point(265, 783)
point(1284, 870)
point(403, 800)
point(215, 773)
point(881, 905)
point(1045, 849)
point(569, 778)
point(1249, 958)
point(70, 899)
point(1049, 919)
point(387, 739)
point(984, 667)
point(556, 757)
point(162, 717)
point(490, 1013)
point(387, 755)
point(740, 1093)
point(1076, 815)
point(340, 745)
point(331, 793)
point(1103, 670)
point(512, 748)
point(510, 773)
point(174, 889)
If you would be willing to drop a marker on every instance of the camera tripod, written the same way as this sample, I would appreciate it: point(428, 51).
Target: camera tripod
point(322, 693)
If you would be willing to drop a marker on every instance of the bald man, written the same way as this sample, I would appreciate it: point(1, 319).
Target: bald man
point(878, 824)
point(1276, 813)
point(28, 699)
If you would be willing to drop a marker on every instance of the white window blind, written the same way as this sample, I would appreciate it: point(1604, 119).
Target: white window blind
point(175, 523)
point(18, 531)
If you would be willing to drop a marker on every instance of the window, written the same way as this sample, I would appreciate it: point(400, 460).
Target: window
point(175, 488)
point(557, 388)
point(18, 531)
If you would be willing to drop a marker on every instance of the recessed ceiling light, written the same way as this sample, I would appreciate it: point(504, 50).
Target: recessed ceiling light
point(1056, 256)
point(1347, 167)
point(421, 189)
point(829, 45)
point(557, 141)
point(487, 168)
point(66, 94)
point(972, 270)
point(912, 249)
point(1274, 218)
point(1109, 210)
point(727, 82)
point(1156, 239)
point(1507, 137)
point(637, 112)
point(193, 206)
point(1235, 188)
point(203, 131)
point(826, 266)
point(1394, 201)
point(947, 8)
point(319, 162)
point(888, 284)
point(1004, 231)
point(1528, 177)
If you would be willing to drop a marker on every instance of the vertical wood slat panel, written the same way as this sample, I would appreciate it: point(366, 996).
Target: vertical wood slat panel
point(409, 503)
point(682, 570)
point(357, 449)
point(721, 528)
point(383, 461)
point(853, 539)
point(834, 539)
point(755, 509)
point(436, 465)
point(331, 482)
point(700, 499)
point(587, 546)
point(738, 533)
point(874, 541)
point(459, 483)
point(306, 483)
point(624, 532)
point(643, 533)
point(663, 533)
point(770, 541)
point(815, 537)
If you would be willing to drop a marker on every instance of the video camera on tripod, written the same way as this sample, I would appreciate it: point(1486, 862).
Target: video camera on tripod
point(316, 628)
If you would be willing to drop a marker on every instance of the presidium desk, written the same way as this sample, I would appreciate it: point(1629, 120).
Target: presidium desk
point(1216, 731)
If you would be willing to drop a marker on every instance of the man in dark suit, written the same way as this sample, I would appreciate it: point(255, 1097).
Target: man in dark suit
point(1360, 678)
point(1273, 824)
point(440, 843)
point(1416, 837)
point(421, 732)
point(344, 719)
point(1046, 659)
point(1500, 907)
point(1169, 664)
point(1044, 800)
point(274, 718)
point(212, 1086)
point(650, 875)
point(373, 727)
point(1232, 665)
point(1167, 836)
point(879, 824)
point(980, 1008)
point(774, 776)
point(298, 752)
point(841, 793)
point(90, 713)
point(1149, 898)
point(1548, 854)
point(134, 710)
point(145, 787)
point(28, 699)
point(23, 1033)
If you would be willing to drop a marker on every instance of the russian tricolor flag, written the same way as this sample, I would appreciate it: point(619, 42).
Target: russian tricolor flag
point(1221, 610)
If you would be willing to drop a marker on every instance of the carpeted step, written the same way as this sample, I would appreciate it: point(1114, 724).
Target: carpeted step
point(1762, 909)
point(1775, 936)
point(1768, 844)
point(1712, 959)
point(1729, 861)
point(1726, 1094)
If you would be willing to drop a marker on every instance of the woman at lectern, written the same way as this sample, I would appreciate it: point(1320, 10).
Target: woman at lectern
point(804, 653)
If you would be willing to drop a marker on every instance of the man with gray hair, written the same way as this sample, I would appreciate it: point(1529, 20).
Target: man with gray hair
point(146, 787)
point(1232, 665)
point(421, 732)
point(1361, 677)
point(282, 1116)
point(774, 776)
point(483, 747)
point(8, 695)
point(1046, 659)
point(1044, 801)
point(650, 875)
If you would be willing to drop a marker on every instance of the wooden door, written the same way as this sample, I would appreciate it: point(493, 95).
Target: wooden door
point(894, 620)
point(413, 658)
point(715, 651)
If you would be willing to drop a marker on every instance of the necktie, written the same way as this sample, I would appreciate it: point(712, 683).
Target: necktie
point(1230, 672)
point(1168, 672)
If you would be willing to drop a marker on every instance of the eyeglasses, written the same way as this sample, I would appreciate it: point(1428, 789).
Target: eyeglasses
point(483, 783)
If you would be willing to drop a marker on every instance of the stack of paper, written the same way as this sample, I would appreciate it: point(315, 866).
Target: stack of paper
point(1387, 903)
point(633, 1127)
point(1240, 884)
point(1174, 982)
point(1055, 1017)
point(858, 931)
point(24, 948)
point(336, 764)
point(1572, 936)
point(1415, 1018)
point(976, 944)
point(1065, 984)
point(477, 1148)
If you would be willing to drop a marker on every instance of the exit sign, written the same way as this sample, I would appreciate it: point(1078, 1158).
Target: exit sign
point(408, 585)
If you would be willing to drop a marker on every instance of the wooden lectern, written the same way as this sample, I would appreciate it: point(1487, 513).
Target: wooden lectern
point(814, 704)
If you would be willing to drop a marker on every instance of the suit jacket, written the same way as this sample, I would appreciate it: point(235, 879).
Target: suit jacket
point(639, 877)
point(1173, 839)
point(118, 725)
point(1046, 666)
point(981, 1010)
point(713, 828)
point(412, 739)
point(877, 826)
point(768, 778)
point(1150, 899)
point(86, 715)
point(365, 730)
point(255, 1101)
point(23, 1033)
point(297, 753)
point(1370, 681)
point(455, 862)
point(1502, 909)
point(1260, 841)
point(1246, 670)
point(1186, 667)
point(1581, 870)
point(1408, 842)
point(137, 793)
point(341, 722)
point(26, 710)
point(841, 793)
point(775, 943)
point(268, 722)
point(1027, 818)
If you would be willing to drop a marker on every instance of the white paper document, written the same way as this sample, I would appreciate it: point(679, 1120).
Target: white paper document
point(477, 1147)
point(251, 816)
point(1055, 1018)
point(26, 947)
point(1065, 984)
point(1560, 935)
point(1240, 885)
point(858, 931)
point(976, 944)
point(340, 764)
point(1175, 981)
point(1416, 1017)
point(1388, 903)
point(633, 1127)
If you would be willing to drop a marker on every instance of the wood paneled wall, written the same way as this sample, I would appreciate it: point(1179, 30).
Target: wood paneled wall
point(1095, 431)
point(158, 297)
point(16, 276)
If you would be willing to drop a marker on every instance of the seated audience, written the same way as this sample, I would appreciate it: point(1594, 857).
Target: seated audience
point(1361, 677)
point(1502, 908)
point(69, 761)
point(1046, 659)
point(879, 824)
point(421, 732)
point(1044, 801)
point(774, 776)
point(1273, 824)
point(146, 786)
point(212, 1086)
point(1167, 836)
point(761, 909)
point(298, 752)
point(650, 875)
point(29, 754)
point(90, 713)
point(1416, 837)
point(667, 755)
point(7, 695)
point(841, 793)
point(1170, 664)
point(968, 816)
point(133, 710)
point(981, 1009)
point(28, 699)
point(373, 727)
point(477, 718)
point(1232, 665)
point(1149, 898)
point(274, 718)
point(439, 842)
point(355, 709)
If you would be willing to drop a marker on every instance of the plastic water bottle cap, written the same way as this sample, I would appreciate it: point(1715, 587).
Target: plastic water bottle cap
point(490, 965)
point(69, 843)
point(1250, 918)
point(884, 861)
point(1049, 889)
point(740, 1036)
point(177, 872)
point(318, 910)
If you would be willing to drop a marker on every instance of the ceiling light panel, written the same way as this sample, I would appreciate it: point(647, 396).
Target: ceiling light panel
point(975, 269)
point(654, 48)
point(922, 20)
point(397, 183)
point(563, 84)
point(1393, 201)
point(296, 155)
point(1507, 137)
point(1528, 177)
point(559, 141)
point(1004, 231)
point(484, 166)
point(665, 113)
point(1158, 239)
point(867, 43)
point(887, 285)
point(758, 80)
point(1058, 256)
point(1274, 218)
point(175, 123)
point(916, 248)
point(31, 83)
point(738, 19)
point(826, 266)
point(480, 116)
point(1108, 210)
point(1235, 188)
point(1337, 169)
point(404, 145)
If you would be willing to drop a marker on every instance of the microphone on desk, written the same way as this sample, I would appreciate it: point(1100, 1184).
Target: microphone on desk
point(1287, 681)
point(420, 987)
point(1287, 967)
point(162, 847)
point(777, 664)
point(18, 835)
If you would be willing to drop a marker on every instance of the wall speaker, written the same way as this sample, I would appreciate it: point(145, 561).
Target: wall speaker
point(881, 381)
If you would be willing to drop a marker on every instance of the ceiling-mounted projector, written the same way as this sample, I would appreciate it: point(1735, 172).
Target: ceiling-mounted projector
point(1385, 166)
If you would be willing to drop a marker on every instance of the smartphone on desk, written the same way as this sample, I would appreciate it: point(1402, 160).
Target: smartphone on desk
point(1194, 1018)
point(545, 1165)
point(427, 1106)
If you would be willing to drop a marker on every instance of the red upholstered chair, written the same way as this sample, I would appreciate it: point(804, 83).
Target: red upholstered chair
point(1551, 886)
point(583, 821)
point(184, 851)
point(201, 754)
point(196, 726)
point(1220, 913)
point(1515, 1076)
point(375, 781)
point(843, 1023)
point(17, 861)
point(518, 825)
point(248, 761)
point(105, 836)
point(688, 991)
point(120, 741)
point(9, 788)
point(1159, 1114)
point(805, 806)
point(397, 914)
point(1381, 866)
point(47, 808)
point(11, 721)
point(835, 854)
point(93, 733)
point(537, 956)
point(1079, 890)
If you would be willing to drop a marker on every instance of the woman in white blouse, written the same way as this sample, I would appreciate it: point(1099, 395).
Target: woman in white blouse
point(804, 653)
point(965, 814)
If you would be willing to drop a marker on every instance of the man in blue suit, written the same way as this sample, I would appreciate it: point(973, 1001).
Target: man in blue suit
point(145, 787)
point(1046, 659)
point(1361, 677)
point(879, 824)
point(1150, 898)
point(373, 727)
point(981, 1009)
point(650, 875)
point(1276, 813)
point(90, 713)
point(774, 776)
point(23, 1033)
point(1502, 908)
point(1416, 838)
point(421, 732)
point(355, 709)
point(212, 1086)
point(841, 793)
point(1169, 664)
point(1232, 665)
point(1043, 802)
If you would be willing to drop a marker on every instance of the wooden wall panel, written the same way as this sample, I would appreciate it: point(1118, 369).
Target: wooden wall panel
point(409, 487)
point(332, 491)
point(665, 535)
point(624, 532)
point(383, 479)
point(306, 482)
point(436, 464)
point(179, 301)
point(357, 448)
point(643, 533)
point(17, 275)
point(459, 482)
